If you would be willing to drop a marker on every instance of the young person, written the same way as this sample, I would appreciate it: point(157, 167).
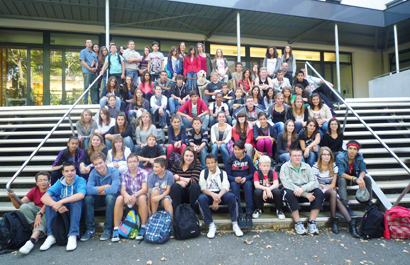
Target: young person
point(146, 85)
point(272, 61)
point(102, 190)
point(105, 122)
point(72, 153)
point(256, 94)
point(128, 90)
point(138, 105)
point(67, 194)
point(264, 134)
point(287, 140)
point(133, 185)
point(143, 130)
point(96, 145)
point(279, 112)
point(174, 64)
point(237, 75)
point(309, 140)
point(251, 111)
point(215, 191)
point(280, 82)
point(269, 98)
point(117, 156)
point(159, 107)
point(103, 53)
point(34, 214)
point(85, 127)
point(132, 58)
point(333, 138)
point(89, 65)
point(352, 171)
point(246, 82)
point(216, 107)
point(149, 153)
point(112, 89)
point(320, 112)
point(121, 128)
point(255, 71)
point(115, 63)
point(212, 88)
point(299, 91)
point(194, 107)
point(300, 185)
point(177, 136)
point(238, 101)
point(186, 177)
point(165, 83)
point(205, 59)
point(198, 139)
point(114, 111)
point(155, 61)
point(220, 66)
point(300, 80)
point(181, 52)
point(299, 113)
point(192, 65)
point(226, 93)
point(287, 95)
point(326, 172)
point(221, 134)
point(179, 94)
point(144, 62)
point(240, 170)
point(263, 81)
point(289, 58)
point(243, 131)
point(266, 188)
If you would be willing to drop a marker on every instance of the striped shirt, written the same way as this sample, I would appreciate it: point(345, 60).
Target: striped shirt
point(192, 173)
point(197, 138)
point(323, 177)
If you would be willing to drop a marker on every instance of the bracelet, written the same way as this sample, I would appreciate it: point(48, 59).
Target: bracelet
point(354, 179)
point(179, 178)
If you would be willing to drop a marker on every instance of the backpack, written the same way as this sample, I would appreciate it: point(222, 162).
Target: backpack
point(270, 177)
point(186, 222)
point(14, 230)
point(174, 159)
point(397, 223)
point(207, 174)
point(229, 146)
point(158, 228)
point(130, 226)
point(160, 136)
point(372, 225)
point(256, 157)
point(61, 228)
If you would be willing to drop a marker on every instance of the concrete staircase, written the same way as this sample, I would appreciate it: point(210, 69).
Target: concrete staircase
point(23, 128)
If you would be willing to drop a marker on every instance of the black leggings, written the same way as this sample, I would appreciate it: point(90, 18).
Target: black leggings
point(258, 200)
point(181, 195)
point(331, 196)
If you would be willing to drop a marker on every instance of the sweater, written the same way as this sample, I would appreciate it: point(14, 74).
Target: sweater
point(178, 69)
point(82, 131)
point(291, 61)
point(282, 144)
point(187, 107)
point(325, 113)
point(182, 136)
point(145, 105)
point(87, 159)
point(278, 64)
point(154, 105)
point(240, 167)
point(293, 118)
point(126, 133)
point(191, 173)
point(127, 152)
point(257, 130)
point(62, 190)
point(112, 177)
point(64, 156)
point(194, 66)
point(141, 135)
point(292, 179)
point(215, 133)
point(251, 115)
point(272, 108)
point(249, 134)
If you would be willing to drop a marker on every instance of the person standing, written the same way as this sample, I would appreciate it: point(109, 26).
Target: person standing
point(131, 60)
point(89, 65)
point(115, 63)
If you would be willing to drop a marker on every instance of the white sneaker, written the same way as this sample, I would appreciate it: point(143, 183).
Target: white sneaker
point(237, 230)
point(212, 231)
point(280, 214)
point(50, 240)
point(26, 248)
point(72, 243)
point(256, 214)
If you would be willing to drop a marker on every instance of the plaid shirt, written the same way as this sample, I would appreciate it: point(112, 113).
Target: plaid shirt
point(134, 184)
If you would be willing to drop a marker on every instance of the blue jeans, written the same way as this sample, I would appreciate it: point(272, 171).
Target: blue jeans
point(213, 120)
point(173, 105)
point(191, 82)
point(248, 190)
point(313, 157)
point(280, 127)
point(299, 127)
point(134, 75)
point(131, 113)
point(92, 201)
point(223, 150)
point(228, 198)
point(103, 86)
point(127, 141)
point(284, 157)
point(202, 156)
point(103, 102)
point(86, 142)
point(75, 209)
point(323, 129)
point(162, 119)
point(204, 119)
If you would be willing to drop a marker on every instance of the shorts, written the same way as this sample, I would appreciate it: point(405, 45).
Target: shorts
point(161, 202)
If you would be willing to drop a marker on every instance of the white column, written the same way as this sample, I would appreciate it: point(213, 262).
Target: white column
point(107, 23)
point(337, 59)
point(238, 34)
point(396, 49)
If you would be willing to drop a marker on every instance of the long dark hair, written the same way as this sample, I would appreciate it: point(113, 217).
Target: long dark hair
point(275, 52)
point(131, 87)
point(117, 128)
point(315, 131)
point(143, 81)
point(339, 128)
point(116, 87)
point(290, 51)
point(193, 164)
point(189, 52)
point(259, 93)
point(135, 99)
point(107, 113)
point(179, 50)
point(250, 75)
point(144, 57)
point(238, 125)
point(101, 56)
point(285, 131)
point(171, 51)
point(312, 107)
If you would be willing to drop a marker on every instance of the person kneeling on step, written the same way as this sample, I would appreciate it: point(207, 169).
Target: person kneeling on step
point(66, 194)
point(266, 188)
point(215, 186)
point(300, 185)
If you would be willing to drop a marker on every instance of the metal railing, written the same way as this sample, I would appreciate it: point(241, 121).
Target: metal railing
point(45, 140)
point(386, 203)
point(392, 72)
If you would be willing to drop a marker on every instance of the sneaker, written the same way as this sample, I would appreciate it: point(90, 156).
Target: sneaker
point(50, 240)
point(141, 233)
point(115, 236)
point(280, 214)
point(172, 234)
point(300, 229)
point(88, 234)
point(105, 235)
point(211, 231)
point(312, 228)
point(26, 248)
point(351, 213)
point(72, 243)
point(248, 220)
point(256, 214)
point(241, 221)
point(237, 230)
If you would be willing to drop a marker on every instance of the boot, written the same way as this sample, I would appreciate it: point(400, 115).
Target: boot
point(352, 228)
point(335, 225)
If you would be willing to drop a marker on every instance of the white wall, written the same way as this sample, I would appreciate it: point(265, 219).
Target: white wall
point(390, 86)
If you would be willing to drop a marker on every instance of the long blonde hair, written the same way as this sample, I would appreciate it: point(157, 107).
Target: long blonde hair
point(101, 147)
point(150, 119)
point(82, 120)
point(114, 151)
point(332, 160)
point(294, 106)
point(285, 132)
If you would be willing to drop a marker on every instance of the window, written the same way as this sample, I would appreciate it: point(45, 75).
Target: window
point(261, 52)
point(227, 50)
point(306, 55)
point(21, 36)
point(331, 57)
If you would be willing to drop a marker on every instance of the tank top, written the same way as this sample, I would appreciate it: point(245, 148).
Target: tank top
point(122, 159)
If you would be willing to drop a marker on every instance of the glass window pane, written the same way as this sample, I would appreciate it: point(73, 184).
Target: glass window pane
point(74, 81)
point(71, 39)
point(165, 45)
point(21, 36)
point(36, 57)
point(258, 52)
point(227, 50)
point(56, 77)
point(331, 57)
point(306, 55)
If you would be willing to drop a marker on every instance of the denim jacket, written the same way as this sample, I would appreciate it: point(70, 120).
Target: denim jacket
point(342, 162)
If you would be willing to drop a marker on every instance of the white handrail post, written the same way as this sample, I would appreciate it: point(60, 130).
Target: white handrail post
point(107, 23)
point(396, 49)
point(337, 58)
point(238, 35)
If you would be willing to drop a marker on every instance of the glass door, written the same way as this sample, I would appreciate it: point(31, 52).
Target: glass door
point(74, 81)
point(56, 80)
point(37, 74)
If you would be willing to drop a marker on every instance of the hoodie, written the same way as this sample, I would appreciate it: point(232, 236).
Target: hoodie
point(95, 180)
point(292, 179)
point(62, 190)
point(240, 167)
point(257, 130)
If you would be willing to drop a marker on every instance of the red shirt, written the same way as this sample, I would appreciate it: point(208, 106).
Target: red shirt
point(351, 170)
point(35, 196)
point(265, 178)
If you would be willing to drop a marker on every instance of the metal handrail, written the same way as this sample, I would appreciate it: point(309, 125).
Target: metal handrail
point(44, 141)
point(392, 72)
point(370, 130)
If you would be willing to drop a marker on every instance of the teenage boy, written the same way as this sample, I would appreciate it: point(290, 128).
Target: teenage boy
point(250, 110)
point(300, 185)
point(212, 88)
point(227, 93)
point(133, 192)
point(215, 191)
point(237, 75)
point(198, 139)
point(150, 152)
point(352, 171)
point(89, 65)
point(132, 58)
point(114, 111)
point(34, 214)
point(194, 107)
point(155, 61)
point(280, 82)
point(266, 188)
point(179, 94)
point(302, 81)
point(66, 194)
point(217, 107)
point(165, 83)
point(116, 65)
point(238, 101)
point(102, 190)
point(264, 82)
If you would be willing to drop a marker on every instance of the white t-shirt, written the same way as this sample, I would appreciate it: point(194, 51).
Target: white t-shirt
point(323, 177)
point(299, 118)
point(316, 115)
point(103, 127)
point(214, 185)
point(218, 109)
point(271, 64)
point(194, 110)
point(221, 65)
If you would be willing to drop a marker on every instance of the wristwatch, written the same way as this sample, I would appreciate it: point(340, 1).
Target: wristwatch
point(40, 213)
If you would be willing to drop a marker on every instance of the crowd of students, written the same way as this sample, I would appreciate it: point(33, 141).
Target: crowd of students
point(116, 164)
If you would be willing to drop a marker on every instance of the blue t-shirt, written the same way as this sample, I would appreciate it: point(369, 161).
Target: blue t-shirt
point(88, 57)
point(115, 67)
point(161, 183)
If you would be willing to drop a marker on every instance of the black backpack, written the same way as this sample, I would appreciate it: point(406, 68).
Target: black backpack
point(61, 228)
point(186, 222)
point(14, 230)
point(207, 174)
point(372, 225)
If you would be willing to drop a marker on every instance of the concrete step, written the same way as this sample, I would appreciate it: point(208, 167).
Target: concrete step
point(51, 107)
point(385, 110)
point(365, 133)
point(384, 150)
point(62, 141)
point(30, 149)
point(361, 105)
point(24, 158)
point(35, 112)
point(376, 125)
point(30, 125)
point(36, 119)
point(43, 133)
point(387, 172)
point(377, 100)
point(387, 141)
point(341, 118)
point(378, 161)
point(18, 180)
